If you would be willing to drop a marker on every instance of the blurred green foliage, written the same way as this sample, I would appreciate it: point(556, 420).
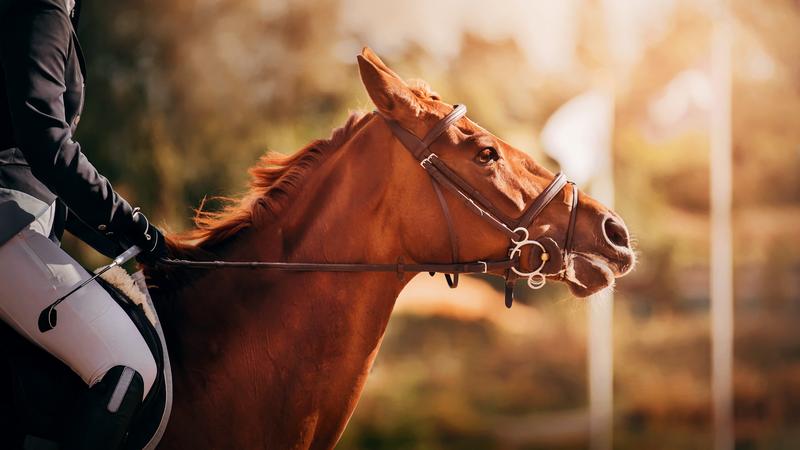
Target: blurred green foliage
point(184, 95)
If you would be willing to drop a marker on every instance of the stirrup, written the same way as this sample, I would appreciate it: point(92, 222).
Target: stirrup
point(106, 411)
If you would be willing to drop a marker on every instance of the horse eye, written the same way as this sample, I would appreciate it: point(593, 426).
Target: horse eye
point(487, 155)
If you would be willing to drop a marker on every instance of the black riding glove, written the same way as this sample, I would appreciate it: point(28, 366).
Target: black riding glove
point(147, 237)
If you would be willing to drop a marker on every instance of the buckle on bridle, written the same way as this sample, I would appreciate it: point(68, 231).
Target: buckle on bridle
point(485, 266)
point(427, 160)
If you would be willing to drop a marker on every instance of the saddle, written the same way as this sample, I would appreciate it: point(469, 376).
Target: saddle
point(37, 391)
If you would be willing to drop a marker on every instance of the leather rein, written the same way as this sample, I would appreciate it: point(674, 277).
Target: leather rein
point(546, 255)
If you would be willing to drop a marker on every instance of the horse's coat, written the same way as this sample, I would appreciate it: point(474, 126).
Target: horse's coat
point(278, 360)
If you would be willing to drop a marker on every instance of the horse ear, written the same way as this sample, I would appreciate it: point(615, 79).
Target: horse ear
point(370, 56)
point(390, 94)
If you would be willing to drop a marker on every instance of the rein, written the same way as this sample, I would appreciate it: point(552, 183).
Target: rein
point(399, 267)
point(543, 248)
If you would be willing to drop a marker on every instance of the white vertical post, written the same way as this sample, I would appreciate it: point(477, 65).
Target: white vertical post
point(721, 234)
point(601, 313)
point(579, 136)
point(601, 371)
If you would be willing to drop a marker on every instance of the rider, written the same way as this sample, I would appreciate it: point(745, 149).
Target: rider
point(47, 186)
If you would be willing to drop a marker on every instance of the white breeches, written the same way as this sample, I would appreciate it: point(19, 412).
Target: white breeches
point(93, 334)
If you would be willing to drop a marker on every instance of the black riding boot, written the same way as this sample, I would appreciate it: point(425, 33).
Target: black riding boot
point(105, 412)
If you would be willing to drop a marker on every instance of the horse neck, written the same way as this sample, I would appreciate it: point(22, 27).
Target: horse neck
point(279, 329)
point(341, 213)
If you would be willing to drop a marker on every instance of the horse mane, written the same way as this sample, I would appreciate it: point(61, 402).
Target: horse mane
point(273, 182)
point(422, 89)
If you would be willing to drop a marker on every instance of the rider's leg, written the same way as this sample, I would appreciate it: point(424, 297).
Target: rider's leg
point(93, 334)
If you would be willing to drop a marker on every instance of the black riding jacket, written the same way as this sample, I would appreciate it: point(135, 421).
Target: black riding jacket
point(41, 98)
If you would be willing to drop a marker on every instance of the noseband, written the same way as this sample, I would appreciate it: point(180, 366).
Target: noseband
point(546, 255)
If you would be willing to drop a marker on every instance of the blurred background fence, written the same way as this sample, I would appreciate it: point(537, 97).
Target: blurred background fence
point(184, 95)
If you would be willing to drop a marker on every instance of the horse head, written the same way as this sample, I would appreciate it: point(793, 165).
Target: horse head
point(510, 179)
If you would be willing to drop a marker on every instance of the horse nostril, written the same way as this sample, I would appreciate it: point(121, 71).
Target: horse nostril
point(615, 232)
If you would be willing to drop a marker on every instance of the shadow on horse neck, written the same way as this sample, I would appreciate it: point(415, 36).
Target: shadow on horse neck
point(265, 359)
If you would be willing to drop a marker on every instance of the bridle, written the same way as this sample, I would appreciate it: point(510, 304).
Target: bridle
point(546, 255)
point(515, 229)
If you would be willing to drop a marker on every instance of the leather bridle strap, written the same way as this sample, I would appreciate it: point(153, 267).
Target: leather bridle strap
point(437, 169)
point(442, 174)
point(542, 200)
point(419, 147)
point(452, 280)
point(573, 216)
point(471, 267)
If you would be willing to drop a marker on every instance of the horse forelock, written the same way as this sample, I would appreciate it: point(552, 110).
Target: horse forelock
point(422, 89)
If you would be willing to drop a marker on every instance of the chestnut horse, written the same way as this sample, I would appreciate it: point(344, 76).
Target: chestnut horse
point(278, 360)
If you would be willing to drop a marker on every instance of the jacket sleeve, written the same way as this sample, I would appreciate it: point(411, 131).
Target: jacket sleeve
point(35, 39)
point(98, 241)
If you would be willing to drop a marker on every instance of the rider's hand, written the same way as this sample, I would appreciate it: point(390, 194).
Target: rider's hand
point(148, 238)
